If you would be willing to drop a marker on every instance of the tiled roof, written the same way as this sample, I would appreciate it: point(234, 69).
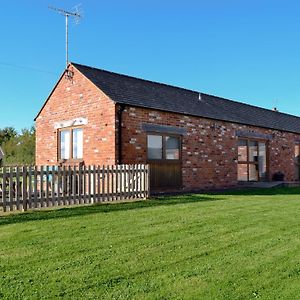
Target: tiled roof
point(144, 93)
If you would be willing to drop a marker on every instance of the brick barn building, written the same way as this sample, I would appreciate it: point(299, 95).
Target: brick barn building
point(191, 140)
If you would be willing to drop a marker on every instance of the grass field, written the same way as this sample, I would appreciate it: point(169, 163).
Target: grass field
point(240, 246)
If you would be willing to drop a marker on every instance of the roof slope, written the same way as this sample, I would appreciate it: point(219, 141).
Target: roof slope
point(139, 92)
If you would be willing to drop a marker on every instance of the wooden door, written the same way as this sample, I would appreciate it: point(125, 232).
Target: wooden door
point(165, 175)
point(164, 158)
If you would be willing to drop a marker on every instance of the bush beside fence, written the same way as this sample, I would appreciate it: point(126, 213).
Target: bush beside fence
point(24, 187)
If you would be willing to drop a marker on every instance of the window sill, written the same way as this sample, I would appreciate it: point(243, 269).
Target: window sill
point(70, 161)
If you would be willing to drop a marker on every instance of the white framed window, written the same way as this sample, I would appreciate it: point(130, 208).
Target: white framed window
point(70, 143)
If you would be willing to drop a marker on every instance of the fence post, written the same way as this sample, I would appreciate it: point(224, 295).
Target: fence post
point(17, 189)
point(103, 184)
point(74, 182)
point(148, 181)
point(107, 182)
point(80, 185)
point(35, 185)
point(114, 182)
point(89, 185)
point(84, 184)
point(139, 177)
point(24, 187)
point(94, 189)
point(4, 189)
point(98, 183)
point(29, 186)
point(10, 186)
point(42, 188)
point(47, 186)
point(68, 182)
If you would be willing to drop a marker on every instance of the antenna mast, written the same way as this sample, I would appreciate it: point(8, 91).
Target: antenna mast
point(68, 14)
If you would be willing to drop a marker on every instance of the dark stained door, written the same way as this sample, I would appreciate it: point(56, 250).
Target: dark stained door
point(164, 175)
point(164, 157)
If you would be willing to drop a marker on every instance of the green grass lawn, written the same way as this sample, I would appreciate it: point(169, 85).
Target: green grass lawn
point(243, 245)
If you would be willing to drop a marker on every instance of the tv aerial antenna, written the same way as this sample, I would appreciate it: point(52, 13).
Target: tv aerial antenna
point(76, 15)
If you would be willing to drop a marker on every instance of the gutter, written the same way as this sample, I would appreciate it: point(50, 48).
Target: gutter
point(120, 111)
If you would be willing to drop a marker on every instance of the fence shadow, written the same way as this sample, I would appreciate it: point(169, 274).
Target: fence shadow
point(103, 208)
point(66, 212)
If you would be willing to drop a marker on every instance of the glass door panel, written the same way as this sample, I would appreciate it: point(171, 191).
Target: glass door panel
point(297, 173)
point(172, 147)
point(262, 161)
point(242, 172)
point(297, 162)
point(253, 172)
point(242, 150)
point(155, 146)
point(297, 154)
point(253, 151)
point(252, 160)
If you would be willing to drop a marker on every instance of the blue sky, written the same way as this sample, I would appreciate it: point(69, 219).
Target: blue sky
point(238, 49)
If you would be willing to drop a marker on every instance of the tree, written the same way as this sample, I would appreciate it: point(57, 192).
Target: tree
point(18, 148)
point(6, 134)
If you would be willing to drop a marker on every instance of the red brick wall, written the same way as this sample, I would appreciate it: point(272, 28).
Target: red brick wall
point(209, 150)
point(74, 99)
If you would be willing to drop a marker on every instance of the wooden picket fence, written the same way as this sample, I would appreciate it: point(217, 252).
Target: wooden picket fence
point(24, 187)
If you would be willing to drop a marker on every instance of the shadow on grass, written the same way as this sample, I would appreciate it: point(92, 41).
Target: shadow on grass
point(67, 212)
point(260, 191)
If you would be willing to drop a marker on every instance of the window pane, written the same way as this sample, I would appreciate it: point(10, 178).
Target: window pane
point(297, 154)
point(253, 174)
point(65, 144)
point(242, 172)
point(172, 147)
point(77, 143)
point(297, 172)
point(253, 151)
point(262, 161)
point(242, 150)
point(154, 146)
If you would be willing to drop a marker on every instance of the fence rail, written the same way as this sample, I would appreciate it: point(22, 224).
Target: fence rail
point(23, 188)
